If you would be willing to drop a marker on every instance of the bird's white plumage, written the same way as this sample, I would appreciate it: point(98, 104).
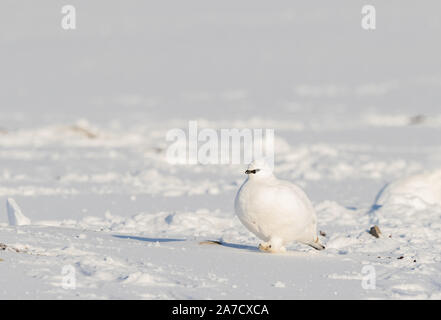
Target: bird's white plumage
point(276, 211)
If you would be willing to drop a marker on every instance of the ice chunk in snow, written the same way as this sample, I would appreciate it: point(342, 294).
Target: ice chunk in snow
point(279, 284)
point(15, 216)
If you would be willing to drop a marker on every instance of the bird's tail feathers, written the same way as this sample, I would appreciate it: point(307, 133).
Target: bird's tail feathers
point(316, 245)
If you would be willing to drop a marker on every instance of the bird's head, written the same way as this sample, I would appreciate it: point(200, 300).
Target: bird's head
point(259, 169)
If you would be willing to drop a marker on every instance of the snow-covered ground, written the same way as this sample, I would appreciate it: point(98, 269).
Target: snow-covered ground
point(83, 120)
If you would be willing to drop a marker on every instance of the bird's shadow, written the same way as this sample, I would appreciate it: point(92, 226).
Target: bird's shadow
point(165, 240)
point(160, 240)
point(240, 246)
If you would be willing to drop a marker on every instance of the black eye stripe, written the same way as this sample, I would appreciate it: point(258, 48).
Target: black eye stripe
point(252, 171)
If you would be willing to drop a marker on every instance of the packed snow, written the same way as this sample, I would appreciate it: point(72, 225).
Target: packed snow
point(419, 190)
point(90, 208)
point(15, 216)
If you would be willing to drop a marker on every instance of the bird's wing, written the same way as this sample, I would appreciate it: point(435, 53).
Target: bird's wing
point(299, 193)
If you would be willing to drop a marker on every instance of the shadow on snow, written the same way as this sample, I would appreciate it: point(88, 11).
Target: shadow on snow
point(160, 240)
point(165, 240)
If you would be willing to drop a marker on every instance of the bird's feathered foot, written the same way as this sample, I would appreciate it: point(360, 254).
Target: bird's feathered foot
point(265, 247)
point(272, 247)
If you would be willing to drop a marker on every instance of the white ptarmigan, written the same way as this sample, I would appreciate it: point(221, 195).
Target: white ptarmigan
point(276, 211)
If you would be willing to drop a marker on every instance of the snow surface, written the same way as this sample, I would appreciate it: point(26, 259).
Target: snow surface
point(83, 119)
